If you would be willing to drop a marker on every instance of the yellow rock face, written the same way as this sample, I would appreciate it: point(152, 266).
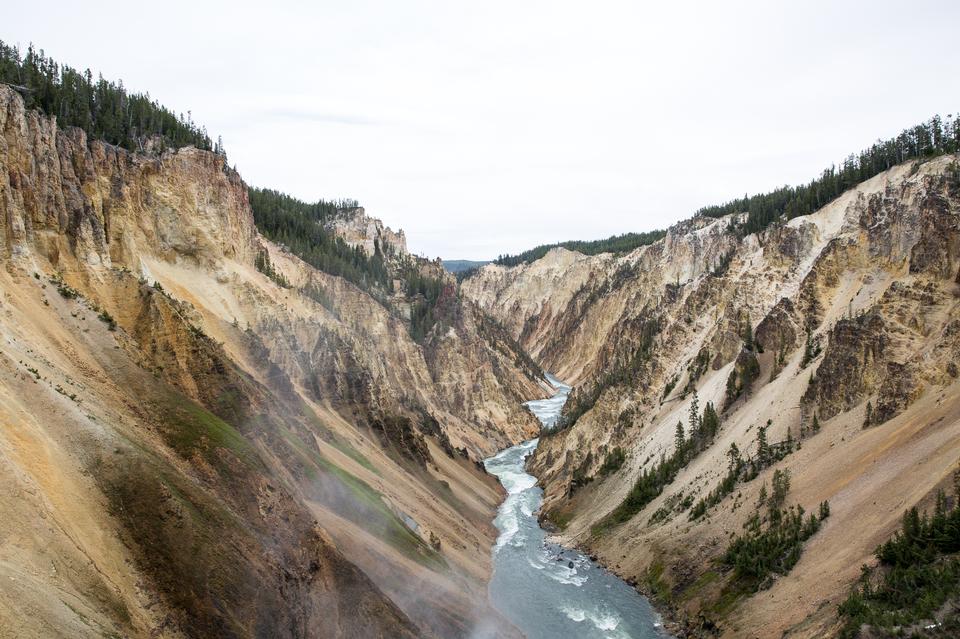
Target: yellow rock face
point(190, 449)
point(872, 276)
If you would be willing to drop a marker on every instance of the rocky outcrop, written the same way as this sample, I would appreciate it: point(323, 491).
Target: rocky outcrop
point(359, 229)
point(779, 332)
point(78, 202)
point(853, 366)
point(835, 329)
point(213, 453)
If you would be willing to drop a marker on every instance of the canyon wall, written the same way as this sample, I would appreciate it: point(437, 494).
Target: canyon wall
point(838, 332)
point(191, 449)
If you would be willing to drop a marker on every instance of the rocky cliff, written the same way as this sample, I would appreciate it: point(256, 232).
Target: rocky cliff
point(834, 333)
point(359, 229)
point(192, 449)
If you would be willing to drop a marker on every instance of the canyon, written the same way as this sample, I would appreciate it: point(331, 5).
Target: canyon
point(191, 449)
point(836, 334)
point(195, 444)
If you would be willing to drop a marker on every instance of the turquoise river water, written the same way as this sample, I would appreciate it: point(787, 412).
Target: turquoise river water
point(546, 590)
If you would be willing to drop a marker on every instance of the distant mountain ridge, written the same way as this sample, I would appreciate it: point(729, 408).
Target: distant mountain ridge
point(458, 266)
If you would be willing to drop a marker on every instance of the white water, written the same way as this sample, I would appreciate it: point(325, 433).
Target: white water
point(547, 591)
point(548, 410)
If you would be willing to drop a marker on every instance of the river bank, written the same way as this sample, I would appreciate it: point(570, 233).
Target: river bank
point(547, 590)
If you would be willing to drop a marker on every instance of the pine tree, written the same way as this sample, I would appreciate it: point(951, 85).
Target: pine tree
point(710, 422)
point(781, 486)
point(732, 389)
point(763, 449)
point(733, 454)
point(824, 510)
point(105, 110)
point(694, 413)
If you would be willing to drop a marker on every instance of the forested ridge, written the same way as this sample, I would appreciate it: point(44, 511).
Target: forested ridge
point(929, 139)
point(926, 140)
point(301, 227)
point(616, 244)
point(105, 110)
point(102, 108)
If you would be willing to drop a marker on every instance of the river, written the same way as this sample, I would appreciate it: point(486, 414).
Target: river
point(546, 590)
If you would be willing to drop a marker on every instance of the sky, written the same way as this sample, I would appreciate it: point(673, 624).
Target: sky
point(484, 128)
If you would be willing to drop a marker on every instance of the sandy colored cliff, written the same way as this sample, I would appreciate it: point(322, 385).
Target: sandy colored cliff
point(872, 277)
point(190, 449)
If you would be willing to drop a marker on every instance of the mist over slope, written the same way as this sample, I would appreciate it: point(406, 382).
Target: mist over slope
point(198, 445)
point(228, 412)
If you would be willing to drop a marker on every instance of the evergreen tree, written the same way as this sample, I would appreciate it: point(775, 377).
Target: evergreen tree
point(733, 454)
point(679, 439)
point(929, 139)
point(763, 449)
point(710, 422)
point(781, 486)
point(104, 109)
point(694, 413)
point(651, 482)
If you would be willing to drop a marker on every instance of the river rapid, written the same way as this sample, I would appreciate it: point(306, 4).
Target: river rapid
point(546, 590)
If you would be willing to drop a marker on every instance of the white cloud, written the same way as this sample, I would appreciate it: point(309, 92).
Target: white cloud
point(483, 128)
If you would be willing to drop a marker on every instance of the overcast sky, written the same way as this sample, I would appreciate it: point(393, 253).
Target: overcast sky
point(489, 127)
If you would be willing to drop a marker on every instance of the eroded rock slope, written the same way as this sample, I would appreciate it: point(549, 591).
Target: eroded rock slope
point(190, 449)
point(839, 330)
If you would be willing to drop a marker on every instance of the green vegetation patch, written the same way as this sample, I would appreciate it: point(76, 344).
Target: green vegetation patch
point(186, 540)
point(763, 551)
point(651, 482)
point(657, 585)
point(102, 108)
point(615, 244)
point(355, 500)
point(613, 461)
point(703, 582)
point(190, 429)
point(918, 573)
point(336, 441)
point(263, 264)
point(347, 449)
point(744, 470)
point(559, 517)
